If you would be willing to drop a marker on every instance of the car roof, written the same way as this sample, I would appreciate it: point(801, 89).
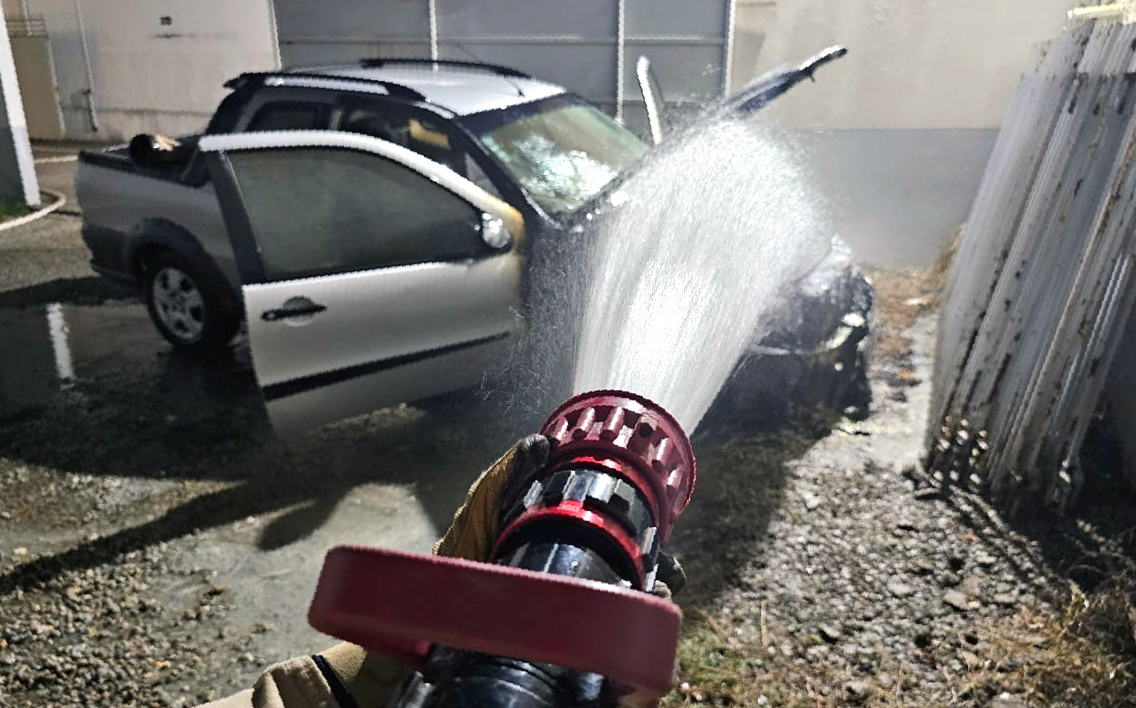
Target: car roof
point(459, 87)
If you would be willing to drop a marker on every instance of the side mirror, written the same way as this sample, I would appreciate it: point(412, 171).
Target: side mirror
point(494, 232)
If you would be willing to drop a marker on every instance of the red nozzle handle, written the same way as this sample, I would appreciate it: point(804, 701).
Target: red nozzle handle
point(399, 603)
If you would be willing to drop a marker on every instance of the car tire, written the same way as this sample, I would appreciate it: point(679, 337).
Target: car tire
point(188, 303)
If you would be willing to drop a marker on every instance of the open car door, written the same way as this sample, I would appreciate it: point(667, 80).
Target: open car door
point(371, 275)
point(652, 97)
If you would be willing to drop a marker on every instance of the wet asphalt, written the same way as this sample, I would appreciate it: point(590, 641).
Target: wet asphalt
point(176, 451)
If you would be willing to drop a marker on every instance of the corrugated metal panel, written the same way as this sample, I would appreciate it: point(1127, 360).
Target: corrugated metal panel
point(572, 44)
point(1042, 284)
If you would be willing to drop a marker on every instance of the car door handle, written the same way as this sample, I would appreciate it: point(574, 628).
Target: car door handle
point(295, 307)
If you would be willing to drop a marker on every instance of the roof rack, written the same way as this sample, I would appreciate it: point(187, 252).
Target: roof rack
point(377, 62)
point(395, 90)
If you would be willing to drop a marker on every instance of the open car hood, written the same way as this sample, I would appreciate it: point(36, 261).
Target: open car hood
point(740, 104)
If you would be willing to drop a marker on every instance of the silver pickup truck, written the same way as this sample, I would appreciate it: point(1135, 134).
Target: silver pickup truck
point(374, 225)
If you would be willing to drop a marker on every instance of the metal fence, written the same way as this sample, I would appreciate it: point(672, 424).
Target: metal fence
point(1042, 284)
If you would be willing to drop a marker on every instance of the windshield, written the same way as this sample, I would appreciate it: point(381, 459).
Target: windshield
point(561, 150)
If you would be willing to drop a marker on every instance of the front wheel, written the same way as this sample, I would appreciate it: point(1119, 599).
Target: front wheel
point(187, 305)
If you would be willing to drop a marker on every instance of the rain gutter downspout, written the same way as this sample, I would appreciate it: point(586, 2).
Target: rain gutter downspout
point(620, 49)
point(278, 62)
point(728, 60)
point(90, 92)
point(433, 11)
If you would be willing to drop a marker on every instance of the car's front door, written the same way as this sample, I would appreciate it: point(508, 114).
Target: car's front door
point(371, 275)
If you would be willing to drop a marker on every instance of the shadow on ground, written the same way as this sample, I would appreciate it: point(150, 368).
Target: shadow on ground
point(176, 417)
point(742, 477)
point(137, 409)
point(70, 291)
point(89, 389)
point(1092, 543)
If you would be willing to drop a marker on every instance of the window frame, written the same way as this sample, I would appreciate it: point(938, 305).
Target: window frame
point(321, 110)
point(460, 140)
point(246, 246)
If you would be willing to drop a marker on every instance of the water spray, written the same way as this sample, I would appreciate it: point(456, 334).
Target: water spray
point(562, 615)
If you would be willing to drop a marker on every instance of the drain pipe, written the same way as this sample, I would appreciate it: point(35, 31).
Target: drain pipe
point(728, 59)
point(90, 92)
point(279, 62)
point(620, 49)
point(432, 8)
point(1123, 11)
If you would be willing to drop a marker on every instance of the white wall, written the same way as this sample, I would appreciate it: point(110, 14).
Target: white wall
point(150, 76)
point(899, 131)
point(912, 64)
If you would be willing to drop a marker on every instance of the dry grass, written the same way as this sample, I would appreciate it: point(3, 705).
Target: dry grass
point(905, 295)
point(1084, 656)
point(716, 668)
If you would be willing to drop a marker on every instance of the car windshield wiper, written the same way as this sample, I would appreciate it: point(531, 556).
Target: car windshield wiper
point(761, 91)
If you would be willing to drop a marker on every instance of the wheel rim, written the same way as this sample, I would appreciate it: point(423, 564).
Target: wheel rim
point(178, 304)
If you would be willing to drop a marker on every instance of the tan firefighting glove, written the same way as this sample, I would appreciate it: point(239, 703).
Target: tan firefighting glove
point(474, 529)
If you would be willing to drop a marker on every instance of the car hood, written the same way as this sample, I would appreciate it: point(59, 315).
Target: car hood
point(740, 105)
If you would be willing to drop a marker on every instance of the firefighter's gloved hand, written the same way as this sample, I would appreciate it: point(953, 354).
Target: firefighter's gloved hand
point(475, 526)
point(670, 579)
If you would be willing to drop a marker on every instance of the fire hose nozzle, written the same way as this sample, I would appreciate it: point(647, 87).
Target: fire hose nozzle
point(563, 607)
point(609, 426)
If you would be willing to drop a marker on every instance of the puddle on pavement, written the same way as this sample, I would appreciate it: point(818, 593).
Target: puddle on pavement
point(49, 349)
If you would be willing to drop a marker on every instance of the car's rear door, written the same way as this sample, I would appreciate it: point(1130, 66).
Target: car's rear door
point(367, 271)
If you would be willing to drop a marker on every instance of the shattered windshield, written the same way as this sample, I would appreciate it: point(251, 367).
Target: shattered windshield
point(562, 150)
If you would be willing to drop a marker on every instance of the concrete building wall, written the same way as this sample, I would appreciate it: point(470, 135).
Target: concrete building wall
point(36, 73)
point(900, 129)
point(912, 64)
point(155, 65)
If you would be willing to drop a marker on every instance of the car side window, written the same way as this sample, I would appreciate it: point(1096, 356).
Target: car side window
point(427, 137)
point(317, 211)
point(289, 115)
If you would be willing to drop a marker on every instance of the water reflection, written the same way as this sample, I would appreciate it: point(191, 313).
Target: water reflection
point(45, 349)
point(57, 328)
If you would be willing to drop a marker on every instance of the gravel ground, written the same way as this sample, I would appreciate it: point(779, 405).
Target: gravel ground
point(99, 637)
point(861, 584)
